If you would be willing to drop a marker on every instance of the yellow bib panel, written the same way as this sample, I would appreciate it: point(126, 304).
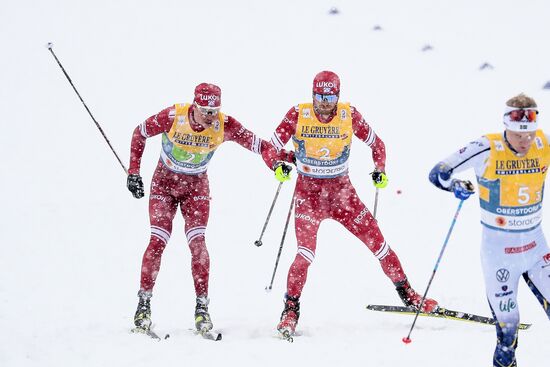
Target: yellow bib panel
point(187, 151)
point(512, 187)
point(322, 149)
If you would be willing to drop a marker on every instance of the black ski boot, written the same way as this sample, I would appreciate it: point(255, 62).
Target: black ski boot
point(142, 318)
point(202, 317)
point(290, 316)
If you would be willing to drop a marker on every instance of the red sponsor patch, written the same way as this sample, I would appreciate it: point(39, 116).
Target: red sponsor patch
point(547, 258)
point(517, 250)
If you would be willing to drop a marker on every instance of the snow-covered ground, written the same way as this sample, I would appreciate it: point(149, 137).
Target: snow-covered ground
point(73, 236)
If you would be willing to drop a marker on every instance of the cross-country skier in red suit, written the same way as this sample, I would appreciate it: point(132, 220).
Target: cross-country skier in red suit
point(321, 132)
point(190, 135)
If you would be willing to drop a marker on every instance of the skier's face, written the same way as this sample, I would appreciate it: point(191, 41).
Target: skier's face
point(521, 142)
point(205, 116)
point(324, 104)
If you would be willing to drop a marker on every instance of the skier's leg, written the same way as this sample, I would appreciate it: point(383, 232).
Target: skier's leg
point(538, 280)
point(501, 272)
point(505, 311)
point(353, 214)
point(307, 217)
point(195, 209)
point(162, 209)
point(306, 221)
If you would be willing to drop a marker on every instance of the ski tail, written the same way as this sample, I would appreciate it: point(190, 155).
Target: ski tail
point(146, 331)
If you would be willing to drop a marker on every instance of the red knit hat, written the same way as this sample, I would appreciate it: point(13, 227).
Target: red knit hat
point(326, 82)
point(208, 95)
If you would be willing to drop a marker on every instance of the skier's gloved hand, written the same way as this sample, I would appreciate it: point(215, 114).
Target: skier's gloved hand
point(282, 171)
point(462, 189)
point(379, 179)
point(135, 185)
point(288, 157)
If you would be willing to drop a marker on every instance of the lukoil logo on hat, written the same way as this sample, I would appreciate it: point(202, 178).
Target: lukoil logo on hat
point(208, 95)
point(326, 82)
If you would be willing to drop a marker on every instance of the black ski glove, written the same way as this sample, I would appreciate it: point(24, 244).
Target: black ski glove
point(135, 185)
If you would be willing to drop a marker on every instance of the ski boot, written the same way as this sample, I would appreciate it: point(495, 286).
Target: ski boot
point(202, 317)
point(289, 317)
point(142, 318)
point(507, 343)
point(504, 356)
point(413, 299)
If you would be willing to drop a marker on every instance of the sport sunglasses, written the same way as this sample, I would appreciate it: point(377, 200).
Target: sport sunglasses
point(523, 114)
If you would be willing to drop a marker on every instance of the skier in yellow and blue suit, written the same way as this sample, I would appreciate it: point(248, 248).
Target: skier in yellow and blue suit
point(511, 169)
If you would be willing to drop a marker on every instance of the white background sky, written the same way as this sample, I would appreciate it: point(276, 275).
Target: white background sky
point(73, 236)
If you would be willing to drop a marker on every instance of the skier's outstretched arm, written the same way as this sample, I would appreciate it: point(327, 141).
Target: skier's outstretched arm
point(235, 131)
point(274, 152)
point(365, 132)
point(474, 155)
point(154, 125)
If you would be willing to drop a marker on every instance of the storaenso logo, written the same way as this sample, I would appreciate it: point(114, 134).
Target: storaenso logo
point(513, 222)
point(503, 275)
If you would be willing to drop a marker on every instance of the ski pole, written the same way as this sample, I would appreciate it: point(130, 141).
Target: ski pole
point(258, 242)
point(50, 47)
point(375, 203)
point(281, 246)
point(407, 339)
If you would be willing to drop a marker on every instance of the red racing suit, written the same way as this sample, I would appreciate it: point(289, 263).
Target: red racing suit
point(323, 189)
point(181, 179)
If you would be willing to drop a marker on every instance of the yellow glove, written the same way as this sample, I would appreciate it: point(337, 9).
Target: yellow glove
point(282, 171)
point(379, 179)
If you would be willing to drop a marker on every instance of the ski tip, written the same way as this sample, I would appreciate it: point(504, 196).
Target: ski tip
point(406, 340)
point(166, 336)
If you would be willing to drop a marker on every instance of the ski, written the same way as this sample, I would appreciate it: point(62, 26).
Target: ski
point(441, 313)
point(150, 333)
point(208, 335)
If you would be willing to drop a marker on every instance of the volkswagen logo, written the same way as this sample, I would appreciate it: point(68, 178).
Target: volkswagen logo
point(503, 275)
